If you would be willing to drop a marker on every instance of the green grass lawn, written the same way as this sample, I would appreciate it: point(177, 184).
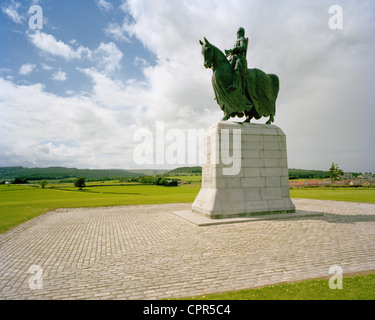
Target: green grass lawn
point(360, 287)
point(187, 178)
point(361, 194)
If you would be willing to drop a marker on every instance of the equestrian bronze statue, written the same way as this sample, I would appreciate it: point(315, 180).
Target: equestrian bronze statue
point(240, 91)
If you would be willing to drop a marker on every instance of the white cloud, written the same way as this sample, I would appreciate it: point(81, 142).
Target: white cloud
point(104, 5)
point(140, 62)
point(46, 67)
point(12, 12)
point(59, 76)
point(48, 43)
point(5, 70)
point(41, 129)
point(117, 32)
point(27, 68)
point(321, 71)
point(108, 56)
point(324, 106)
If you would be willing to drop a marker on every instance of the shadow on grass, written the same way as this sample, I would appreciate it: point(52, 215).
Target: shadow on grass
point(96, 192)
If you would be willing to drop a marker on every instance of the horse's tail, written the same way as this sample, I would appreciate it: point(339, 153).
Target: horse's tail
point(275, 83)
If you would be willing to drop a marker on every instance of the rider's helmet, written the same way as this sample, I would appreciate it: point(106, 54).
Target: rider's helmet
point(241, 32)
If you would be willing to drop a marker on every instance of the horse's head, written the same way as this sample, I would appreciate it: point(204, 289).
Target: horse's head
point(207, 52)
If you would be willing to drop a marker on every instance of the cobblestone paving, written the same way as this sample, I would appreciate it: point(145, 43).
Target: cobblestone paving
point(147, 252)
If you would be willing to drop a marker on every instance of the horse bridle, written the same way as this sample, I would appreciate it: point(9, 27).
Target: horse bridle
point(210, 60)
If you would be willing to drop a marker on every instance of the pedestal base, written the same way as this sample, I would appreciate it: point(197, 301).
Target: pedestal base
point(244, 172)
point(202, 221)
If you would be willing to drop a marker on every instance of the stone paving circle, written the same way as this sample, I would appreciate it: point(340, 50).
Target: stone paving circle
point(147, 252)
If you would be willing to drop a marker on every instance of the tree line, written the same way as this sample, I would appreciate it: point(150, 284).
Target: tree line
point(80, 181)
point(58, 173)
point(155, 180)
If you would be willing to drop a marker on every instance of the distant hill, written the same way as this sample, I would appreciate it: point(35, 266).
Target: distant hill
point(293, 173)
point(149, 172)
point(58, 173)
point(186, 170)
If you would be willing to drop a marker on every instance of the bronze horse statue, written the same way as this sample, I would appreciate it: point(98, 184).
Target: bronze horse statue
point(257, 93)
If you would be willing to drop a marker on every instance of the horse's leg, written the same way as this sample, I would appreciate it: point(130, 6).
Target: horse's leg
point(226, 117)
point(270, 120)
point(248, 117)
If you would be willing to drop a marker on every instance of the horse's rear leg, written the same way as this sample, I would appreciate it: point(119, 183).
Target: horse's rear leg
point(270, 120)
point(226, 117)
point(248, 117)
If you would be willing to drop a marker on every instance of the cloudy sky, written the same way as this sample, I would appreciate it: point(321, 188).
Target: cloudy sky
point(79, 91)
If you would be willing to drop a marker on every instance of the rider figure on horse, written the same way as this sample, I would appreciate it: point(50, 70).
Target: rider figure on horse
point(238, 59)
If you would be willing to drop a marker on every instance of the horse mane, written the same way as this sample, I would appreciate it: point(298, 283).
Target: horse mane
point(220, 54)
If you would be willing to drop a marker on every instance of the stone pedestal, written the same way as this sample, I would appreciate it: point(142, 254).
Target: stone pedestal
point(244, 171)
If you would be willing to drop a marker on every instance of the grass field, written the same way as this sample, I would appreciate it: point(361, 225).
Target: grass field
point(360, 287)
point(362, 194)
point(187, 178)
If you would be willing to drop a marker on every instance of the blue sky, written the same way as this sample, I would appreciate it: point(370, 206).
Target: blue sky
point(76, 24)
point(75, 92)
